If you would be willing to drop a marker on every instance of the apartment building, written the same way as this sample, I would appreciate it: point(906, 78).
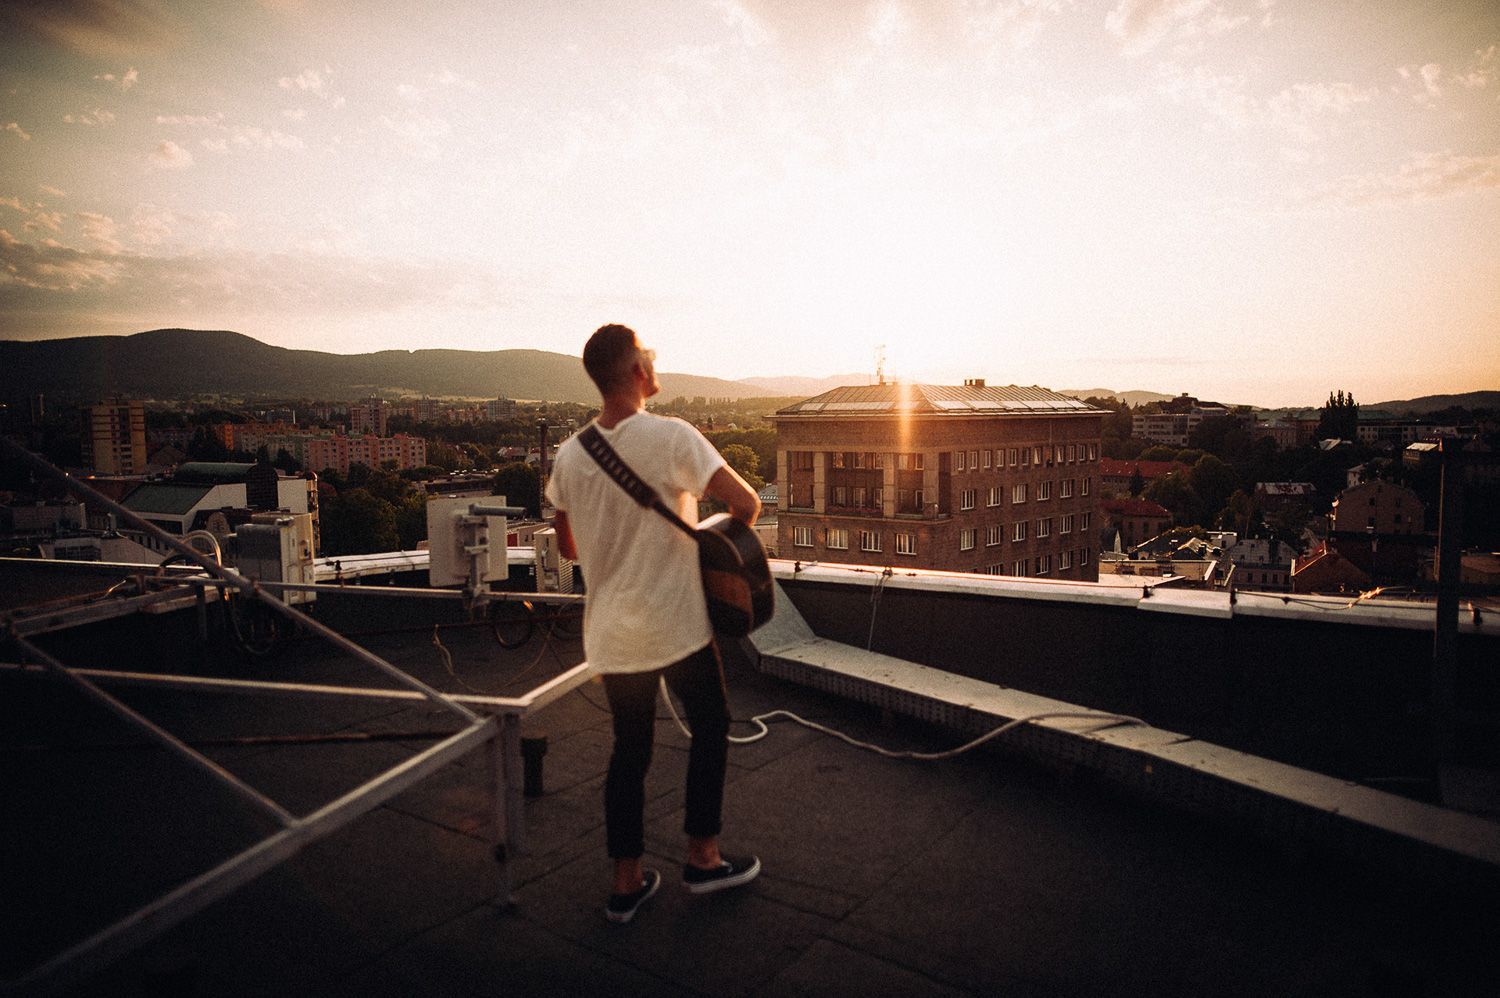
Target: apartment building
point(114, 437)
point(968, 478)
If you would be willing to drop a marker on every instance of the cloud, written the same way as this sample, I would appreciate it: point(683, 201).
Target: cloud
point(1141, 25)
point(53, 192)
point(295, 113)
point(1301, 107)
point(11, 126)
point(1481, 71)
point(191, 120)
point(170, 156)
point(37, 217)
point(97, 116)
point(125, 81)
point(99, 231)
point(418, 134)
point(308, 80)
point(97, 28)
point(1427, 177)
point(152, 225)
point(253, 137)
point(63, 279)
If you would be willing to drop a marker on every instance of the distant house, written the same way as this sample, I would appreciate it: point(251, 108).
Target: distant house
point(1262, 563)
point(1378, 507)
point(200, 488)
point(1115, 475)
point(1325, 570)
point(1132, 520)
point(1274, 496)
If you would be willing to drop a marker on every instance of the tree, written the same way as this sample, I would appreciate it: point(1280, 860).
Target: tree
point(1340, 417)
point(356, 522)
point(411, 521)
point(521, 485)
point(1174, 492)
point(1288, 522)
point(745, 462)
point(1137, 483)
point(445, 456)
point(1213, 481)
point(206, 446)
point(1159, 453)
point(1238, 513)
point(286, 462)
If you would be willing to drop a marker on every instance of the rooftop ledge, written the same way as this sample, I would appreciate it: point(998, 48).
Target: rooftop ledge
point(1145, 594)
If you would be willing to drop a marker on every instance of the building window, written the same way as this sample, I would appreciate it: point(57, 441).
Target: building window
point(909, 462)
point(1036, 455)
point(1057, 453)
point(877, 460)
point(994, 496)
point(1044, 527)
point(967, 498)
point(993, 569)
point(906, 543)
point(1072, 453)
point(994, 535)
point(1043, 564)
point(1018, 532)
point(1066, 526)
point(985, 457)
point(958, 461)
point(802, 537)
point(1019, 568)
point(1015, 457)
point(1066, 488)
point(801, 460)
point(1083, 556)
point(857, 495)
point(1093, 452)
point(838, 539)
point(1084, 520)
point(1025, 457)
point(1043, 491)
point(877, 497)
point(869, 540)
point(966, 539)
point(1018, 493)
point(974, 460)
point(838, 459)
point(857, 459)
point(1064, 560)
point(1084, 490)
point(840, 495)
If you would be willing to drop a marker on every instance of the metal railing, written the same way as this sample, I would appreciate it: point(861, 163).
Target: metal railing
point(497, 728)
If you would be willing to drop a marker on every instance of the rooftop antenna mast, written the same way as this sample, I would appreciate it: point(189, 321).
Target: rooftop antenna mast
point(880, 364)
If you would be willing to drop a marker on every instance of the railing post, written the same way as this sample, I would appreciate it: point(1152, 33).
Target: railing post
point(1445, 626)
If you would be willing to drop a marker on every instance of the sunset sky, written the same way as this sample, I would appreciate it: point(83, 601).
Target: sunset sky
point(1249, 200)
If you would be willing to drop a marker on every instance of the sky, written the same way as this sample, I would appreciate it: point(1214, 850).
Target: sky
point(1253, 201)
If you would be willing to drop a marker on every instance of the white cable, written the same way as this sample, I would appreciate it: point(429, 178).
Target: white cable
point(759, 720)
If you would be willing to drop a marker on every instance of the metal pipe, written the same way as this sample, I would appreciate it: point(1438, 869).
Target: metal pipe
point(1445, 625)
point(411, 592)
point(106, 946)
point(246, 585)
point(550, 691)
point(160, 735)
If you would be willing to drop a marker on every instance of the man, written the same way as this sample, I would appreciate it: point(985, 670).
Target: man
point(645, 619)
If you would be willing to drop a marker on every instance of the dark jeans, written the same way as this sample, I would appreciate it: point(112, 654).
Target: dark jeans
point(698, 682)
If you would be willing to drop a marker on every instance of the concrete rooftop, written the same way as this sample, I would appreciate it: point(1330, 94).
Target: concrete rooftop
point(983, 875)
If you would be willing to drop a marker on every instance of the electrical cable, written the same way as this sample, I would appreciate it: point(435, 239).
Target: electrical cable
point(760, 720)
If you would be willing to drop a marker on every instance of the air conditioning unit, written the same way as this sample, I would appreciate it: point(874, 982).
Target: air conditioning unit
point(278, 547)
point(554, 573)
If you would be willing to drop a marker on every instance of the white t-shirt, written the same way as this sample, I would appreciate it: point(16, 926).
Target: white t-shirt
point(645, 607)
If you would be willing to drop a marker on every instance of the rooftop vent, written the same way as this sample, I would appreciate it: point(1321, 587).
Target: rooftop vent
point(973, 382)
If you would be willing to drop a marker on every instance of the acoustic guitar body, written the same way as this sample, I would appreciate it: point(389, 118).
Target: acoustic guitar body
point(736, 578)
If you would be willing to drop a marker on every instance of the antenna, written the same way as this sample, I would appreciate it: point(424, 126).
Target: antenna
point(880, 364)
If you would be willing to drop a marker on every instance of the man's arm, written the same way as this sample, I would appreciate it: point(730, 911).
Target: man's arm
point(565, 543)
point(733, 491)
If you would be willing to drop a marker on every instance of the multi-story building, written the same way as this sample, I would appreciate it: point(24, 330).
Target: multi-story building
point(338, 452)
point(114, 437)
point(1133, 521)
point(1176, 422)
point(1378, 507)
point(971, 478)
point(369, 416)
point(1115, 476)
point(500, 408)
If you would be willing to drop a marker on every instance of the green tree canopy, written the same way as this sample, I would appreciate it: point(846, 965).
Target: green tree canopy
point(1175, 493)
point(744, 461)
point(1340, 417)
point(356, 522)
point(1214, 482)
point(1159, 453)
point(521, 485)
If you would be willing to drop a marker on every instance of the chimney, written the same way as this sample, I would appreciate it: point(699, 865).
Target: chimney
point(973, 382)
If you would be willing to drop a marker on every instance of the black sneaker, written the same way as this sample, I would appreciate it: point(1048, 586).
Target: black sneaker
point(622, 907)
point(731, 872)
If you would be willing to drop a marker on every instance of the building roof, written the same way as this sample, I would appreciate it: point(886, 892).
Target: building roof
point(1285, 488)
point(939, 400)
point(173, 498)
point(1113, 468)
point(1134, 507)
point(212, 472)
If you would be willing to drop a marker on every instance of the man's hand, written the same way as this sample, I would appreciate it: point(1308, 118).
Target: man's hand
point(565, 544)
point(733, 491)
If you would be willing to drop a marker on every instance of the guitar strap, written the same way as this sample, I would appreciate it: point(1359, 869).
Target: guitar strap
point(621, 473)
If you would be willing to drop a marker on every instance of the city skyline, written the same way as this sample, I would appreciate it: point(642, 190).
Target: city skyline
point(1252, 200)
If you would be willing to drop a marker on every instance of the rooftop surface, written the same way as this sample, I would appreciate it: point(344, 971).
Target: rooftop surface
point(952, 400)
point(986, 874)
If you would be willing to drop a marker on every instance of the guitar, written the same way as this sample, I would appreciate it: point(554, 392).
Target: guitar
point(736, 577)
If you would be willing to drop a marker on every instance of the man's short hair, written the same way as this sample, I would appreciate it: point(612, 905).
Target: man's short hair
point(609, 354)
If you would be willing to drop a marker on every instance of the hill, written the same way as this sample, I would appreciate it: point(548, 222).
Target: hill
point(802, 388)
point(181, 363)
point(1133, 398)
point(1435, 403)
